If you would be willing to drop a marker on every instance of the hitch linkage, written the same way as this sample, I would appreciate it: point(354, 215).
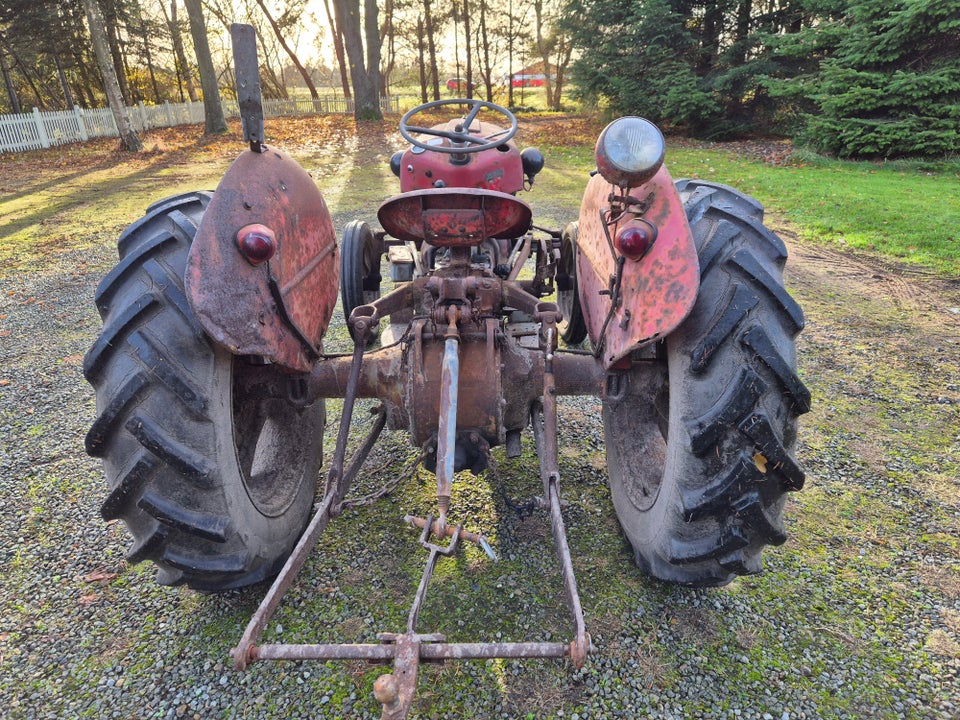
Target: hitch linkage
point(395, 690)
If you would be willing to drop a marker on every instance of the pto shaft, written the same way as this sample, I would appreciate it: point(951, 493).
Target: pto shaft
point(447, 427)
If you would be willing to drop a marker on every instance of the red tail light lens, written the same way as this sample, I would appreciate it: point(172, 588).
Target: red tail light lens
point(256, 243)
point(634, 241)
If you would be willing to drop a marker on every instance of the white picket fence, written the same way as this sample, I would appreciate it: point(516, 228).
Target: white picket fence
point(38, 130)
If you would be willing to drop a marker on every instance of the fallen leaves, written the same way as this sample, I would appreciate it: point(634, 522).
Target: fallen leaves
point(554, 131)
point(100, 575)
point(761, 462)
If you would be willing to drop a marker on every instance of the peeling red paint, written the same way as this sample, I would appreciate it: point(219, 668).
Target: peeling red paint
point(658, 291)
point(281, 308)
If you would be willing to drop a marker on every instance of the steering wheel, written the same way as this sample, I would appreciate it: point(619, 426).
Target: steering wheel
point(467, 143)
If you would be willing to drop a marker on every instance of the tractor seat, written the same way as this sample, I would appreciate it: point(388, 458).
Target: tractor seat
point(454, 217)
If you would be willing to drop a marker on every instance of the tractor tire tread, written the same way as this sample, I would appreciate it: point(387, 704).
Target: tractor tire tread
point(142, 229)
point(131, 483)
point(739, 395)
point(156, 427)
point(207, 526)
point(109, 340)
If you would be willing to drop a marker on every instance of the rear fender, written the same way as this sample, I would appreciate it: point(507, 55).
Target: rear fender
point(656, 292)
point(279, 309)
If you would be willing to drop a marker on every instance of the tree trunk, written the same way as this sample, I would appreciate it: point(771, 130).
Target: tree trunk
point(24, 71)
point(338, 49)
point(564, 53)
point(79, 45)
point(287, 49)
point(510, 57)
point(366, 91)
point(272, 84)
point(544, 51)
point(8, 82)
point(421, 60)
point(111, 87)
point(469, 47)
point(372, 39)
point(487, 71)
point(432, 48)
point(214, 121)
point(86, 74)
point(176, 38)
point(116, 55)
point(388, 33)
point(148, 55)
point(742, 39)
point(709, 39)
point(65, 86)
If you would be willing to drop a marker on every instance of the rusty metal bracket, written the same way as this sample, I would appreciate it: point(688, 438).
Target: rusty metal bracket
point(395, 690)
point(447, 429)
point(616, 283)
point(245, 64)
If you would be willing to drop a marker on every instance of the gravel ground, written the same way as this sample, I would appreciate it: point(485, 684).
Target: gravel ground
point(857, 616)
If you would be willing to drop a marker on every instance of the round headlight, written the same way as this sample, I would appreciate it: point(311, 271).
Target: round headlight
point(629, 151)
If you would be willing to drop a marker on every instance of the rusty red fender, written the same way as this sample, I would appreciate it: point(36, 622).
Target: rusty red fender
point(657, 291)
point(280, 308)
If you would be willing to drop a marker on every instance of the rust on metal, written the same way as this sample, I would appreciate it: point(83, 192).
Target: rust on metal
point(471, 355)
point(645, 299)
point(454, 216)
point(280, 308)
point(397, 689)
point(430, 651)
point(444, 531)
point(478, 404)
point(338, 482)
point(501, 171)
point(447, 422)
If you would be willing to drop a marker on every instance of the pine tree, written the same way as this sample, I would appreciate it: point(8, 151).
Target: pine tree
point(889, 83)
point(638, 58)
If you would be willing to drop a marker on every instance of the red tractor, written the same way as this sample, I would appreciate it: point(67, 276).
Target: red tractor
point(210, 372)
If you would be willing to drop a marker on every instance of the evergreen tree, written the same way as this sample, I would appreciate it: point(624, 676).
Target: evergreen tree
point(638, 58)
point(38, 37)
point(889, 82)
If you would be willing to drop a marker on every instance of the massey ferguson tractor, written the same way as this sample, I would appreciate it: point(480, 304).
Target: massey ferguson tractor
point(664, 299)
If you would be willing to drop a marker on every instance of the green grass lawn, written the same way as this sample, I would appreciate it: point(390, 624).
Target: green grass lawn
point(903, 211)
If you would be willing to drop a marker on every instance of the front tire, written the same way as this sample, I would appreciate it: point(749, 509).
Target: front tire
point(360, 277)
point(573, 327)
point(700, 444)
point(210, 463)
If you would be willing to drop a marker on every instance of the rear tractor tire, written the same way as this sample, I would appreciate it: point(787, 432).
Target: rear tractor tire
point(210, 464)
point(700, 444)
